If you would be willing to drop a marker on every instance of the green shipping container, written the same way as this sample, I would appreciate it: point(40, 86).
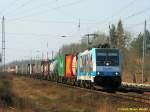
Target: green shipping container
point(61, 65)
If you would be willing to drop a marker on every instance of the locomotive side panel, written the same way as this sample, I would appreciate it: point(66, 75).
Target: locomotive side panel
point(85, 66)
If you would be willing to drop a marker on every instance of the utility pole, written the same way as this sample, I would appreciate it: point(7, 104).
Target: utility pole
point(144, 43)
point(42, 56)
point(88, 37)
point(52, 54)
point(79, 25)
point(3, 43)
point(47, 50)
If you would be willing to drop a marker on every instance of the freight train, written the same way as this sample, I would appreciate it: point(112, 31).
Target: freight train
point(95, 66)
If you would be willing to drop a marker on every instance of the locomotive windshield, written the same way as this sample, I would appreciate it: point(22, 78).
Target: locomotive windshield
point(107, 57)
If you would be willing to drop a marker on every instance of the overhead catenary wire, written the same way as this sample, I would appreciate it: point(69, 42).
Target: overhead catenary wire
point(106, 19)
point(133, 15)
point(18, 8)
point(49, 10)
point(132, 26)
point(30, 34)
point(50, 35)
point(102, 22)
point(53, 21)
point(140, 12)
point(125, 7)
point(137, 13)
point(32, 9)
point(122, 9)
point(11, 4)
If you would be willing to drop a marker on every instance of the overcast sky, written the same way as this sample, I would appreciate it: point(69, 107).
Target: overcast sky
point(31, 24)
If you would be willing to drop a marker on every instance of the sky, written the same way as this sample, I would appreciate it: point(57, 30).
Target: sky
point(35, 27)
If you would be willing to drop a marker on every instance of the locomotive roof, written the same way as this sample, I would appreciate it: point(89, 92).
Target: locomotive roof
point(89, 50)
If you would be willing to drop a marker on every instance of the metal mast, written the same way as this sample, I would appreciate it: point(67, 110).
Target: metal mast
point(47, 50)
point(144, 38)
point(3, 43)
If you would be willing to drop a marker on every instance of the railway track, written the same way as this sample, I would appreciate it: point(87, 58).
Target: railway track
point(124, 93)
point(135, 97)
point(140, 95)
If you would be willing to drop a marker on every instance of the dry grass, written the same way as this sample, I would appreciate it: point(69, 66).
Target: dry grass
point(9, 101)
point(52, 98)
point(31, 95)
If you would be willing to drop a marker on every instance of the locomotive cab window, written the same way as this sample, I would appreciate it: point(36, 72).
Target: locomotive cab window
point(107, 57)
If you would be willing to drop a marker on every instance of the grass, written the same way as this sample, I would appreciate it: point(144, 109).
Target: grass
point(19, 94)
point(7, 96)
point(9, 101)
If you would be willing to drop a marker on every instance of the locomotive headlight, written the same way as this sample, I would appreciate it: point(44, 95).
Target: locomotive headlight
point(117, 73)
point(107, 64)
point(98, 73)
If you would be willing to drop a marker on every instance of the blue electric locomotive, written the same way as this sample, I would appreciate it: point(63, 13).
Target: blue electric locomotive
point(101, 66)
